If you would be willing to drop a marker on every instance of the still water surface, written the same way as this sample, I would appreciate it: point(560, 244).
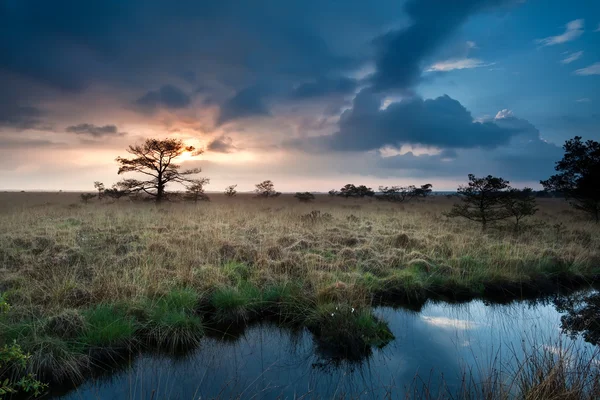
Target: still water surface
point(439, 343)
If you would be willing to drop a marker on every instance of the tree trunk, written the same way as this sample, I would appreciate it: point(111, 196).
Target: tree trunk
point(160, 189)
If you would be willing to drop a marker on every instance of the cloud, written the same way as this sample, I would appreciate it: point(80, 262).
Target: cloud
point(95, 131)
point(441, 122)
point(325, 87)
point(25, 143)
point(572, 57)
point(402, 53)
point(222, 144)
point(248, 102)
point(573, 30)
point(20, 117)
point(521, 160)
point(168, 96)
point(463, 63)
point(593, 69)
point(583, 100)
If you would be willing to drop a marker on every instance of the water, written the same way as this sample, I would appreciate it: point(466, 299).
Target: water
point(266, 362)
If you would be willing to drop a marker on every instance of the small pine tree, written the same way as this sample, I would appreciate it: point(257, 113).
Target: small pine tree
point(482, 200)
point(266, 189)
point(195, 190)
point(519, 204)
point(99, 186)
point(230, 191)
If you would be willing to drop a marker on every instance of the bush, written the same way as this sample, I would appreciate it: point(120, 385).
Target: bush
point(305, 197)
point(13, 359)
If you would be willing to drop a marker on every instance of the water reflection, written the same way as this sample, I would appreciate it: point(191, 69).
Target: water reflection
point(582, 315)
point(266, 362)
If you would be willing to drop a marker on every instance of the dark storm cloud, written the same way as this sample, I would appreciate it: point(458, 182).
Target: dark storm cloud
point(248, 102)
point(20, 117)
point(95, 131)
point(532, 162)
point(222, 144)
point(325, 87)
point(70, 45)
point(404, 52)
point(168, 96)
point(441, 122)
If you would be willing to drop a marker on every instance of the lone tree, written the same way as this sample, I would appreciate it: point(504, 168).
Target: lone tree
point(304, 197)
point(195, 190)
point(519, 204)
point(266, 189)
point(482, 200)
point(99, 186)
point(230, 191)
point(155, 159)
point(578, 179)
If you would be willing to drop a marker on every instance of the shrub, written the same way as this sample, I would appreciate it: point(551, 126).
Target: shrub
point(12, 359)
point(230, 191)
point(85, 197)
point(305, 197)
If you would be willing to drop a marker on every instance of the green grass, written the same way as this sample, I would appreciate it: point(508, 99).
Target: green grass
point(236, 304)
point(348, 331)
point(171, 319)
point(108, 326)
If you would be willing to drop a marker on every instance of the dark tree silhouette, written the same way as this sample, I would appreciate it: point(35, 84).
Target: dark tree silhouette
point(266, 189)
point(99, 186)
point(85, 197)
point(482, 200)
point(230, 191)
point(399, 194)
point(423, 191)
point(519, 204)
point(351, 190)
point(195, 190)
point(304, 197)
point(155, 159)
point(581, 315)
point(578, 179)
point(115, 193)
point(333, 192)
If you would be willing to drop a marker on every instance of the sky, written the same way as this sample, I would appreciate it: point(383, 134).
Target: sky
point(310, 94)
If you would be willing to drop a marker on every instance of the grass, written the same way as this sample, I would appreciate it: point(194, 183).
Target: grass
point(107, 326)
point(171, 321)
point(109, 275)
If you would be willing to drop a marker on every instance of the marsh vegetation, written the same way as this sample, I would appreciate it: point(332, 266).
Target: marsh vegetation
point(90, 282)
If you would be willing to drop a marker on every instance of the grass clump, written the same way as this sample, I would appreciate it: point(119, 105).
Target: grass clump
point(54, 359)
point(108, 326)
point(172, 322)
point(236, 304)
point(348, 332)
point(67, 325)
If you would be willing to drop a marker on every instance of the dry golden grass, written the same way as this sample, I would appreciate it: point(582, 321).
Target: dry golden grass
point(56, 253)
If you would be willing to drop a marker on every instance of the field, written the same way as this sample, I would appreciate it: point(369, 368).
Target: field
point(85, 281)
